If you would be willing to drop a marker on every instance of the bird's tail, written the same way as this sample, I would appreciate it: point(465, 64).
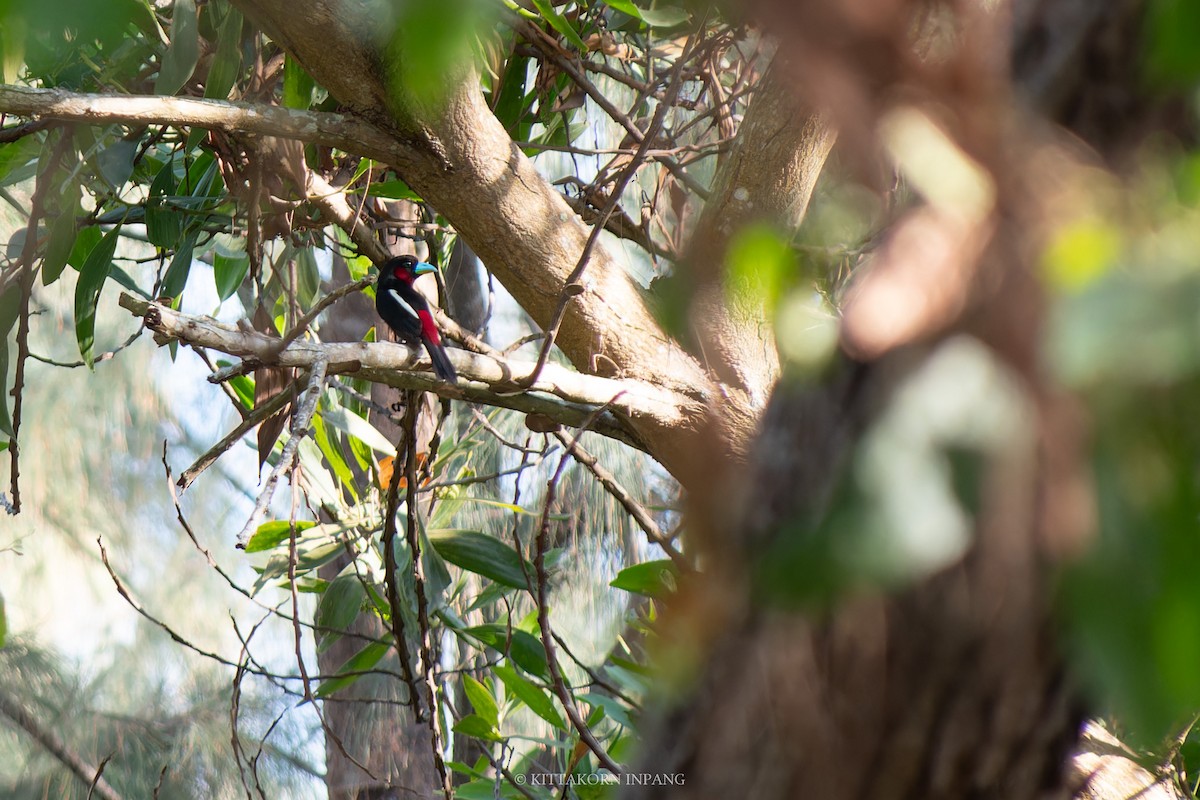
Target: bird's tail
point(441, 362)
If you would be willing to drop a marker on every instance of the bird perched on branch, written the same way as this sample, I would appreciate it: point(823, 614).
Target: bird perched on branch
point(407, 313)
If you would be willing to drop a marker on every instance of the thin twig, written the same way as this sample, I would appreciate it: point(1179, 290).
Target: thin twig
point(414, 548)
point(300, 424)
point(619, 493)
point(259, 414)
point(571, 287)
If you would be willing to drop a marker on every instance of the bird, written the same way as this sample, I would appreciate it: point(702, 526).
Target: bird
point(407, 313)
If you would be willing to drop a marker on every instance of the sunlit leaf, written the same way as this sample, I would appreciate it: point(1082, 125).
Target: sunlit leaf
point(651, 578)
point(272, 534)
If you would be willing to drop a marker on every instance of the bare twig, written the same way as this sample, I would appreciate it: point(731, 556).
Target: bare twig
point(636, 510)
point(300, 423)
point(233, 437)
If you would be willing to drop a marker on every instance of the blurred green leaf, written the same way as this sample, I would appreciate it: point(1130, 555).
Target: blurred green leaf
point(482, 701)
point(535, 697)
point(363, 660)
point(1172, 28)
point(115, 161)
point(760, 264)
point(392, 190)
point(92, 276)
point(665, 16)
point(183, 52)
point(651, 578)
point(477, 727)
point(175, 279)
point(524, 649)
point(163, 225)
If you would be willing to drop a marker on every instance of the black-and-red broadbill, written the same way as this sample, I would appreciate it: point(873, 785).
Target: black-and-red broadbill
point(407, 313)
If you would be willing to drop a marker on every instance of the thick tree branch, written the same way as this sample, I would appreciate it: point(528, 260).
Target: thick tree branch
point(566, 397)
point(336, 130)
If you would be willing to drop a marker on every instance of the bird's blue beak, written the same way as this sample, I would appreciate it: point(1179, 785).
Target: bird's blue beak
point(424, 269)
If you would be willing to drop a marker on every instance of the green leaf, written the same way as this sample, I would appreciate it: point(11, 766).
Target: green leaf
point(530, 694)
point(559, 23)
point(625, 7)
point(183, 52)
point(6, 425)
point(667, 17)
point(482, 701)
point(176, 277)
point(227, 61)
point(339, 607)
point(348, 422)
point(364, 659)
point(272, 534)
point(524, 649)
point(229, 272)
point(60, 241)
point(477, 727)
point(308, 275)
point(297, 85)
point(92, 276)
point(482, 554)
point(613, 708)
point(115, 161)
point(16, 155)
point(163, 225)
point(392, 190)
point(85, 241)
point(651, 578)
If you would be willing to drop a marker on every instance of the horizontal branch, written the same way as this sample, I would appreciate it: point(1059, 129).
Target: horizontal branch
point(559, 394)
point(336, 130)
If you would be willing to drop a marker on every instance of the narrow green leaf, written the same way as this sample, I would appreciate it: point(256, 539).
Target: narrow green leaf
point(338, 609)
point(482, 554)
point(176, 277)
point(227, 61)
point(297, 85)
point(60, 241)
point(364, 659)
point(85, 242)
point(6, 425)
point(651, 578)
point(530, 694)
point(612, 707)
point(163, 225)
point(482, 701)
point(348, 422)
point(559, 23)
point(92, 276)
point(477, 727)
point(16, 155)
point(392, 190)
point(272, 534)
point(526, 650)
point(625, 7)
point(308, 275)
point(183, 52)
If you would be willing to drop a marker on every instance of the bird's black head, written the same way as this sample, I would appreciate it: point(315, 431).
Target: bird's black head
point(405, 268)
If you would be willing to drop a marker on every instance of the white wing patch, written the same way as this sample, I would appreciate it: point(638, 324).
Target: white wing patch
point(404, 304)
